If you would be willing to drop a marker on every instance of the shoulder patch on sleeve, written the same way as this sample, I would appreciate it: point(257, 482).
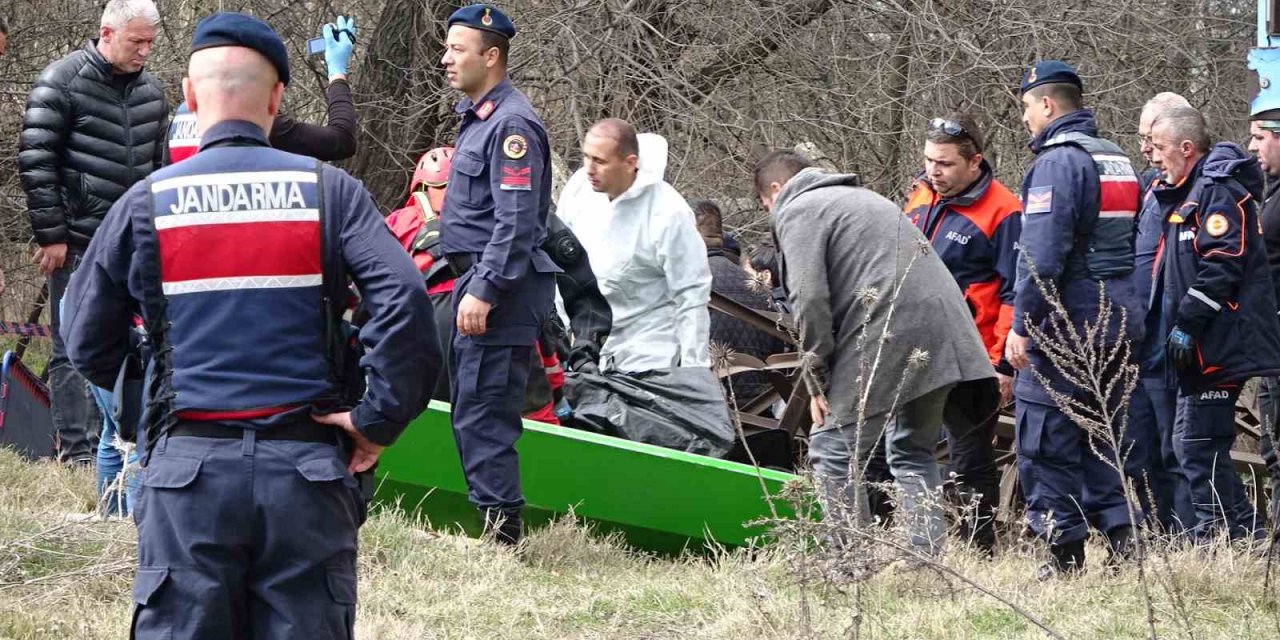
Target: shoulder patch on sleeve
point(516, 179)
point(515, 146)
point(1039, 200)
point(1217, 225)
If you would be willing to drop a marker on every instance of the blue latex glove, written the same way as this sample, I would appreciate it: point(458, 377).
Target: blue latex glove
point(1181, 350)
point(563, 410)
point(339, 40)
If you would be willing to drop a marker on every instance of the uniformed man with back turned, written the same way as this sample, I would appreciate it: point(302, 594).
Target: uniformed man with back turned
point(248, 510)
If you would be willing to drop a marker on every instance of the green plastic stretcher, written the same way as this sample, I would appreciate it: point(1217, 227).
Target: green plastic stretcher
point(659, 499)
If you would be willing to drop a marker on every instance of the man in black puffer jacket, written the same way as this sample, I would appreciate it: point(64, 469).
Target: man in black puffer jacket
point(94, 125)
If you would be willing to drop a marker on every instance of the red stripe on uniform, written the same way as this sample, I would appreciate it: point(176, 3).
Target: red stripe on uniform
point(246, 414)
point(178, 154)
point(240, 250)
point(1120, 196)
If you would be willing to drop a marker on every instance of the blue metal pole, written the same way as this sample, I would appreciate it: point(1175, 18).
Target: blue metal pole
point(1265, 59)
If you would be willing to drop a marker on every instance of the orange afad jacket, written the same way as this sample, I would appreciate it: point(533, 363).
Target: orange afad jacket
point(976, 236)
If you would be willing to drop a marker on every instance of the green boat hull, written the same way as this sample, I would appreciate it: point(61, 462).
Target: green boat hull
point(658, 499)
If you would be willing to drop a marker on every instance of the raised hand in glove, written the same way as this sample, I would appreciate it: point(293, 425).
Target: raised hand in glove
point(1180, 349)
point(339, 40)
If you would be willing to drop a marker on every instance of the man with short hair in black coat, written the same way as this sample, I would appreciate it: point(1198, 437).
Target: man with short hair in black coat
point(1264, 143)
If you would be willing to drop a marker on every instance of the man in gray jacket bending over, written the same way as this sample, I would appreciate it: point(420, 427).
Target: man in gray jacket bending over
point(885, 331)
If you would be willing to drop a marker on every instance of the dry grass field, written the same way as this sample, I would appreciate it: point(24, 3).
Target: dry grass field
point(64, 579)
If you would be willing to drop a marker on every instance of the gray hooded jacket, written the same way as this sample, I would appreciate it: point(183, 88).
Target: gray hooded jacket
point(877, 309)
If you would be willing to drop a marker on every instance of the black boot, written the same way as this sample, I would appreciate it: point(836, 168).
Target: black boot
point(1067, 561)
point(503, 525)
point(1122, 546)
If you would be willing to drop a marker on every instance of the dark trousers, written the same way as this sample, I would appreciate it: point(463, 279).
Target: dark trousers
point(537, 391)
point(442, 303)
point(75, 415)
point(1269, 407)
point(970, 417)
point(488, 395)
point(1067, 486)
point(1150, 461)
point(1204, 430)
point(244, 539)
point(489, 373)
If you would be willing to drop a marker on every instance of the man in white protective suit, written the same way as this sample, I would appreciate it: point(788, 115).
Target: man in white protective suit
point(645, 249)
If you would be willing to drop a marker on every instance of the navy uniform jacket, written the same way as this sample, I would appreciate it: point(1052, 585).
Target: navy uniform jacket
point(496, 209)
point(1150, 176)
point(1217, 284)
point(1148, 245)
point(242, 232)
point(1147, 234)
point(1061, 190)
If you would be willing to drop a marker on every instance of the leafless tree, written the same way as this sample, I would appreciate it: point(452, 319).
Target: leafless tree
point(721, 80)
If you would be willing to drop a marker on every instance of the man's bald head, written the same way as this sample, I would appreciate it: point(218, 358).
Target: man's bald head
point(232, 83)
point(619, 131)
point(611, 156)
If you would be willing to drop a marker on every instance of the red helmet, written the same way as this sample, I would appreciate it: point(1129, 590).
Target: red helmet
point(432, 173)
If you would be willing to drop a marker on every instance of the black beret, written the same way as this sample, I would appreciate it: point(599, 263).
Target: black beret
point(484, 17)
point(225, 29)
point(1050, 72)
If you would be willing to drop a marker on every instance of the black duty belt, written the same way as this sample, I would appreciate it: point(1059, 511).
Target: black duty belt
point(296, 431)
point(460, 263)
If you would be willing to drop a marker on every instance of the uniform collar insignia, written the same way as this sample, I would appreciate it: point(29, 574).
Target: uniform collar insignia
point(488, 103)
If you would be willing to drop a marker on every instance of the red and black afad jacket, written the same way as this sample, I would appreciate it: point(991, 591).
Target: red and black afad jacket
point(976, 235)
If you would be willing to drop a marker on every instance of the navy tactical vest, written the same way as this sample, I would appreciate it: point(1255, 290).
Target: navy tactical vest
point(1104, 246)
point(239, 239)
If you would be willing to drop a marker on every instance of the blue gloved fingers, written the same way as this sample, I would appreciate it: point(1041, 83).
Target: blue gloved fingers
point(349, 26)
point(337, 52)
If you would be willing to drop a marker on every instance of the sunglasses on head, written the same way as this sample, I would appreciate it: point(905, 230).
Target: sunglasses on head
point(949, 127)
